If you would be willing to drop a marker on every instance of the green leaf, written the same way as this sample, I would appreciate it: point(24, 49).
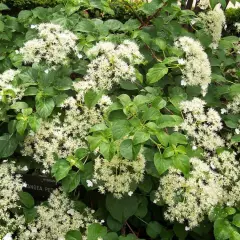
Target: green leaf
point(151, 114)
point(222, 229)
point(91, 98)
point(126, 149)
point(86, 26)
point(34, 122)
point(113, 224)
point(235, 138)
point(121, 209)
point(19, 105)
point(8, 144)
point(71, 182)
point(213, 3)
point(161, 44)
point(73, 235)
point(24, 15)
point(45, 106)
point(62, 83)
point(236, 220)
point(29, 214)
point(94, 142)
point(154, 229)
point(21, 126)
point(152, 7)
point(3, 7)
point(113, 24)
point(180, 231)
point(131, 25)
point(26, 199)
point(161, 164)
point(178, 138)
point(60, 169)
point(1, 26)
point(120, 129)
point(169, 121)
point(182, 163)
point(96, 231)
point(157, 72)
point(140, 137)
point(81, 153)
point(168, 152)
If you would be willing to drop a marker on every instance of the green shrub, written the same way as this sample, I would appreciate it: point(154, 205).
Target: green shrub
point(28, 2)
point(232, 16)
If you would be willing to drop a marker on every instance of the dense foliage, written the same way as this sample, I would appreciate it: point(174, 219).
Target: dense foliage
point(133, 109)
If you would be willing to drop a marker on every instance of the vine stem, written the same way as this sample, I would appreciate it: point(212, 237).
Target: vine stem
point(131, 229)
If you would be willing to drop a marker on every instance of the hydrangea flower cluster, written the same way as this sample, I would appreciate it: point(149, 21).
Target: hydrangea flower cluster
point(6, 85)
point(63, 137)
point(213, 22)
point(227, 167)
point(196, 69)
point(56, 219)
point(10, 185)
point(189, 199)
point(53, 45)
point(118, 175)
point(203, 4)
point(110, 64)
point(202, 126)
point(234, 106)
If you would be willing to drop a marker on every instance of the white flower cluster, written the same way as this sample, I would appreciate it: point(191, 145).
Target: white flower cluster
point(237, 25)
point(197, 69)
point(227, 167)
point(118, 175)
point(189, 199)
point(6, 85)
point(10, 186)
point(202, 126)
point(53, 45)
point(204, 4)
point(56, 219)
point(213, 22)
point(234, 106)
point(110, 64)
point(63, 136)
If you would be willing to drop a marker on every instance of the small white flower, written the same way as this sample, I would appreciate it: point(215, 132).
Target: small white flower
point(212, 166)
point(70, 212)
point(89, 183)
point(155, 201)
point(193, 21)
point(61, 238)
point(183, 83)
point(43, 171)
point(237, 131)
point(194, 148)
point(17, 51)
point(25, 168)
point(181, 61)
point(24, 185)
point(187, 228)
point(223, 111)
point(5, 161)
point(100, 238)
point(130, 193)
point(79, 55)
point(46, 71)
point(102, 221)
point(8, 236)
point(33, 26)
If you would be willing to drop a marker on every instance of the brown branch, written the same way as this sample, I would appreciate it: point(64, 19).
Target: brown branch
point(131, 229)
point(144, 24)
